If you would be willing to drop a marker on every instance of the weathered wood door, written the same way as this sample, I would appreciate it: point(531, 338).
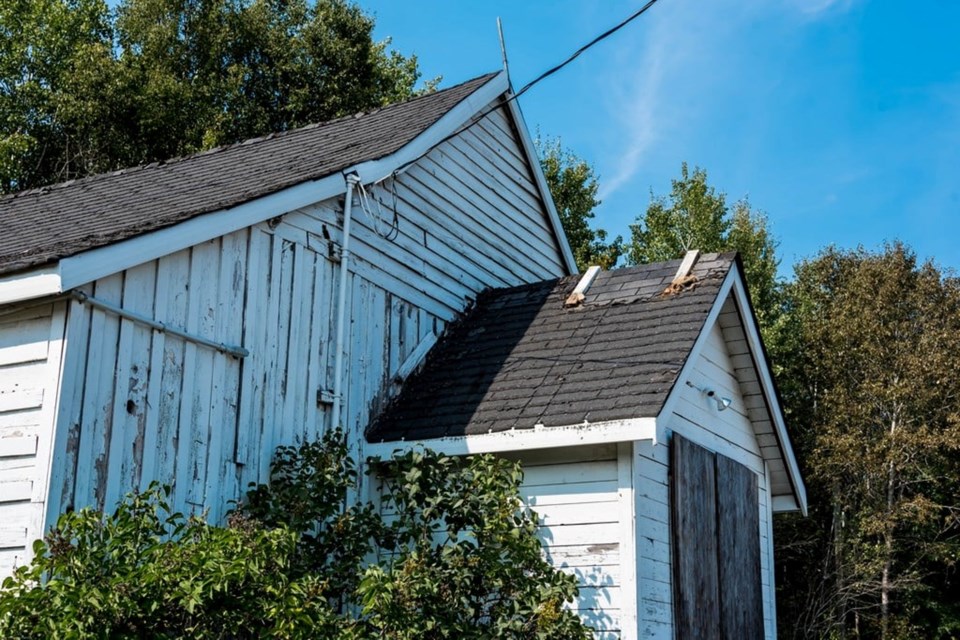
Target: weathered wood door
point(716, 545)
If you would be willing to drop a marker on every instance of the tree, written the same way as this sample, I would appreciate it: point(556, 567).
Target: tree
point(85, 90)
point(696, 216)
point(573, 185)
point(456, 556)
point(874, 402)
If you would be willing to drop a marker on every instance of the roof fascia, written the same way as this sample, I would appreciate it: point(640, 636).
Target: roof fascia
point(97, 263)
point(30, 284)
point(752, 331)
point(541, 181)
point(525, 439)
point(460, 114)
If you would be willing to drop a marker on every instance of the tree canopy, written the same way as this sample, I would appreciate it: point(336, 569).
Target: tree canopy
point(697, 216)
point(870, 382)
point(573, 185)
point(85, 89)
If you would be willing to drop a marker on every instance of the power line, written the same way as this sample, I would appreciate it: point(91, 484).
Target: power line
point(546, 74)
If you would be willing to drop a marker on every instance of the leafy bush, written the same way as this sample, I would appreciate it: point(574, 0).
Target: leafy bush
point(455, 556)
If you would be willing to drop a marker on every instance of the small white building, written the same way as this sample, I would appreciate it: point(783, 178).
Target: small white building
point(179, 321)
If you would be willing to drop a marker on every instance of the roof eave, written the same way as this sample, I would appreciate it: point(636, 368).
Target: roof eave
point(85, 267)
point(27, 285)
point(576, 435)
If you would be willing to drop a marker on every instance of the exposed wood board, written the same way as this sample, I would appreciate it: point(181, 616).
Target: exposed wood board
point(738, 531)
point(696, 584)
point(255, 312)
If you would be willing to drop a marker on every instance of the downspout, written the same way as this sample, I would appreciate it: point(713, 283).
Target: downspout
point(352, 180)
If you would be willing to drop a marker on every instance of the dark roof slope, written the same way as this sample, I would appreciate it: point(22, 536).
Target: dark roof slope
point(520, 358)
point(43, 225)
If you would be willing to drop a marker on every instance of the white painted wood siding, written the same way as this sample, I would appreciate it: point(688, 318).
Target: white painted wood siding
point(30, 348)
point(729, 433)
point(585, 520)
point(140, 405)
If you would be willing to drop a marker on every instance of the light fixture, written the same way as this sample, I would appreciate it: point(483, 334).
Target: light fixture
point(722, 403)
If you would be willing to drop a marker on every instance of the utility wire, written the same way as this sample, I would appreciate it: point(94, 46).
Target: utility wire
point(546, 74)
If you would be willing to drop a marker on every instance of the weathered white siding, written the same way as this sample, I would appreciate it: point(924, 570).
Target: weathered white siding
point(140, 405)
point(584, 499)
point(30, 349)
point(729, 433)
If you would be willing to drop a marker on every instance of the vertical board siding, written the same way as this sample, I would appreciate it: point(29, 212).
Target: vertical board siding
point(738, 534)
point(579, 506)
point(693, 495)
point(31, 339)
point(140, 405)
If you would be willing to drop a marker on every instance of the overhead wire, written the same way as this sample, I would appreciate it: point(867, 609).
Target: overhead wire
point(543, 76)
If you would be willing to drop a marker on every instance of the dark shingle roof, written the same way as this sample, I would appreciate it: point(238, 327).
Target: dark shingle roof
point(520, 358)
point(43, 225)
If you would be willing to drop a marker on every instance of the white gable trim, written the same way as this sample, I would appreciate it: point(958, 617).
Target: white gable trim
point(29, 285)
point(541, 181)
point(733, 285)
point(525, 439)
point(91, 265)
point(769, 391)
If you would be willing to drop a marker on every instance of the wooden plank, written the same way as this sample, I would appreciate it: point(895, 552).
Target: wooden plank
point(12, 446)
point(24, 341)
point(98, 382)
point(125, 449)
point(694, 498)
point(16, 490)
point(12, 536)
point(253, 368)
point(738, 531)
point(17, 396)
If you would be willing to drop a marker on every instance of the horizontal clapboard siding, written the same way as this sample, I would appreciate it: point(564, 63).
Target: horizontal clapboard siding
point(579, 506)
point(139, 405)
point(30, 349)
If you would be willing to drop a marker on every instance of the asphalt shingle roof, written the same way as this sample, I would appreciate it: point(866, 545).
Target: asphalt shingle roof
point(43, 225)
point(520, 358)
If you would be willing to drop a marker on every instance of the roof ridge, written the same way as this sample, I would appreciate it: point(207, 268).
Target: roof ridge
point(56, 186)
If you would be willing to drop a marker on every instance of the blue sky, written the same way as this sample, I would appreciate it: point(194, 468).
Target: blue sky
point(838, 118)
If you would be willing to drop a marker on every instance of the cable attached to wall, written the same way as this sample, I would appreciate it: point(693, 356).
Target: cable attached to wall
point(375, 212)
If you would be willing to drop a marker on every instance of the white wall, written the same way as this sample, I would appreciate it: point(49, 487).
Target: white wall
point(729, 433)
point(139, 405)
point(30, 350)
point(584, 499)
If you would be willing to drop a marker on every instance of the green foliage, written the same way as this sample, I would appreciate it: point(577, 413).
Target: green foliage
point(573, 185)
point(456, 557)
point(696, 216)
point(84, 89)
point(872, 349)
point(146, 572)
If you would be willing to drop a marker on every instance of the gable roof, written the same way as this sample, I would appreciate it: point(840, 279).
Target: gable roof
point(46, 224)
point(521, 359)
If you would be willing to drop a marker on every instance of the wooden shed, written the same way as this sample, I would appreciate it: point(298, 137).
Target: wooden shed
point(179, 321)
point(641, 405)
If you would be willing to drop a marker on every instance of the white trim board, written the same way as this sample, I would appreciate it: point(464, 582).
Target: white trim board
point(525, 439)
point(30, 284)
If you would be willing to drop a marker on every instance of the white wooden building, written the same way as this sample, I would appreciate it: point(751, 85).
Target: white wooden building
point(177, 322)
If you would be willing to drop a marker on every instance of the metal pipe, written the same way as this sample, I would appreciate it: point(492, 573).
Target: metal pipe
point(162, 327)
point(352, 180)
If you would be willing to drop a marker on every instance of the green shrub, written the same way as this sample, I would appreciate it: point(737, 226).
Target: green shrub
point(455, 557)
